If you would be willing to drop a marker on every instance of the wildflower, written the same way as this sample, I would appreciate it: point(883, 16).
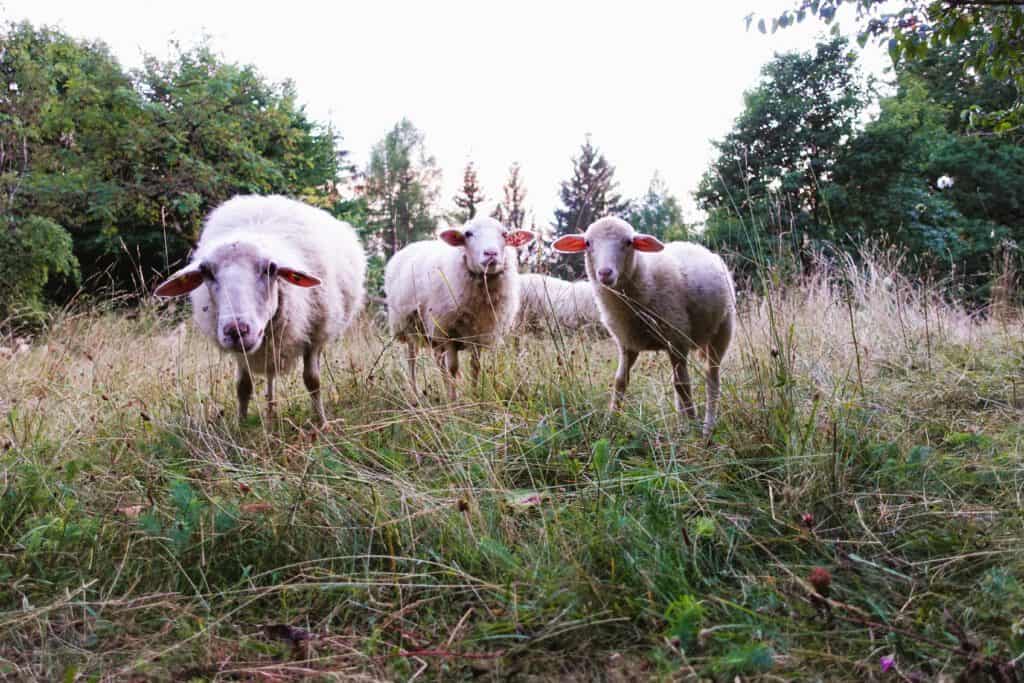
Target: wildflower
point(13, 87)
point(821, 580)
point(944, 182)
point(886, 662)
point(807, 519)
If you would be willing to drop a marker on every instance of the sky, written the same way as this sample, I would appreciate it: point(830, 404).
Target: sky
point(653, 83)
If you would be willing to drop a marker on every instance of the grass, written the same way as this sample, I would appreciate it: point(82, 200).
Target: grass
point(868, 429)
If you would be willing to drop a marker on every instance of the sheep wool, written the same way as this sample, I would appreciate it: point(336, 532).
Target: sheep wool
point(460, 291)
point(673, 297)
point(273, 280)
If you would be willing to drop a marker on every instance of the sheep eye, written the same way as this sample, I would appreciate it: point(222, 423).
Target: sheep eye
point(207, 272)
point(469, 233)
point(586, 243)
point(270, 270)
point(627, 242)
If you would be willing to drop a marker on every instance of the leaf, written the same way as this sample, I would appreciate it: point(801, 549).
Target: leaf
point(498, 553)
point(602, 456)
point(746, 659)
point(251, 508)
point(684, 616)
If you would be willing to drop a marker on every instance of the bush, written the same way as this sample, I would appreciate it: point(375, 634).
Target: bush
point(31, 252)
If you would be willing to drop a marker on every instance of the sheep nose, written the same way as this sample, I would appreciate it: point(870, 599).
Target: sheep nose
point(491, 254)
point(236, 330)
point(605, 275)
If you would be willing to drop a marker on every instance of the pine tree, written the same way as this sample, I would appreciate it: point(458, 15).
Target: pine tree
point(400, 190)
point(587, 196)
point(658, 212)
point(512, 209)
point(471, 195)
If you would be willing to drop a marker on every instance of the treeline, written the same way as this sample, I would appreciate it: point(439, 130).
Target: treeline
point(801, 173)
point(106, 174)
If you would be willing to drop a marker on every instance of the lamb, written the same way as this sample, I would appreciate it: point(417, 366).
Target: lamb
point(282, 279)
point(544, 298)
point(459, 291)
point(652, 296)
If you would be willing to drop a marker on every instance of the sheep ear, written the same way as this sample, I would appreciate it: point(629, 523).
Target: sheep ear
point(298, 278)
point(453, 237)
point(570, 244)
point(519, 238)
point(182, 282)
point(647, 243)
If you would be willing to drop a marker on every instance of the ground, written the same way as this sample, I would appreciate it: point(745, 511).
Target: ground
point(857, 514)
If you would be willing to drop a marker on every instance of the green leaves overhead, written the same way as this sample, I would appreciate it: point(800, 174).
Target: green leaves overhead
point(911, 29)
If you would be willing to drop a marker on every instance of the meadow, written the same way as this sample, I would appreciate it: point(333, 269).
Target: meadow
point(857, 514)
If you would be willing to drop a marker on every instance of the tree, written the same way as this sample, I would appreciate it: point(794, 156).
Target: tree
point(658, 213)
point(401, 188)
point(511, 209)
point(950, 200)
point(773, 168)
point(471, 195)
point(587, 196)
point(990, 32)
point(130, 163)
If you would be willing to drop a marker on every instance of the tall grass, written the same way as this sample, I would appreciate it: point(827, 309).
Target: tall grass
point(869, 428)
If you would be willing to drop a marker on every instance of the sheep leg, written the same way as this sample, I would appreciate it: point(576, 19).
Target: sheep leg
point(474, 364)
point(715, 352)
point(410, 358)
point(243, 389)
point(311, 378)
point(626, 359)
point(451, 363)
point(681, 379)
point(271, 401)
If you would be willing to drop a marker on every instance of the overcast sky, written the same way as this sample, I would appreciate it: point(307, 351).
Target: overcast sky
point(652, 82)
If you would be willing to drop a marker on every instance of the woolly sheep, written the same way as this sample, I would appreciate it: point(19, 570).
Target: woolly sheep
point(544, 298)
point(461, 290)
point(652, 296)
point(282, 279)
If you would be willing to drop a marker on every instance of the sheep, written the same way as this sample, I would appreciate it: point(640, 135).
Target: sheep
point(282, 279)
point(461, 290)
point(652, 296)
point(544, 298)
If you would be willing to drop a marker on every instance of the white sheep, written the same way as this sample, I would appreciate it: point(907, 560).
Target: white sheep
point(459, 291)
point(674, 297)
point(545, 300)
point(272, 280)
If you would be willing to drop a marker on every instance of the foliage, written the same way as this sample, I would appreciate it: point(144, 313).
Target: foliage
point(988, 33)
point(588, 195)
point(511, 210)
point(32, 251)
point(773, 166)
point(470, 197)
point(785, 185)
point(658, 213)
point(401, 188)
point(888, 188)
point(129, 164)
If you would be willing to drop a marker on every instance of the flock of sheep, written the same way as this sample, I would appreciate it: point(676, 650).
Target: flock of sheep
point(273, 279)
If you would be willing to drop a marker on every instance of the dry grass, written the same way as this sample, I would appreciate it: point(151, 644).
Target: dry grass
point(868, 428)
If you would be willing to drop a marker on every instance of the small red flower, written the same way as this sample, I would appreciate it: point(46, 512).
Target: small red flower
point(821, 580)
